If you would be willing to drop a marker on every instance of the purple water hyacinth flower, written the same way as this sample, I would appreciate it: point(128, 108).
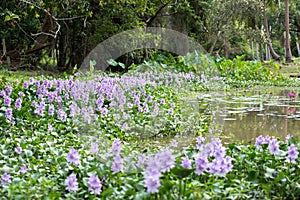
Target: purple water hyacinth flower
point(274, 146)
point(140, 109)
point(292, 154)
point(8, 114)
point(172, 104)
point(201, 165)
point(137, 101)
point(26, 85)
point(259, 141)
point(129, 105)
point(8, 90)
point(141, 161)
point(227, 164)
point(170, 112)
point(186, 163)
point(153, 168)
point(174, 143)
point(71, 183)
point(73, 109)
point(117, 165)
point(220, 166)
point(220, 152)
point(34, 104)
point(267, 140)
point(21, 94)
point(66, 96)
point(149, 98)
point(23, 170)
point(59, 101)
point(52, 96)
point(51, 110)
point(2, 93)
point(18, 104)
point(94, 148)
point(85, 97)
point(5, 178)
point(73, 157)
point(162, 101)
point(99, 102)
point(37, 83)
point(152, 184)
point(18, 150)
point(116, 146)
point(146, 107)
point(62, 115)
point(94, 184)
point(42, 108)
point(125, 126)
point(208, 150)
point(155, 110)
point(50, 128)
point(31, 80)
point(104, 112)
point(200, 140)
point(40, 90)
point(166, 159)
point(7, 101)
point(215, 167)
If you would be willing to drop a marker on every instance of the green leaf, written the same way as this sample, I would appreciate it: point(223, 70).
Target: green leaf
point(122, 65)
point(112, 62)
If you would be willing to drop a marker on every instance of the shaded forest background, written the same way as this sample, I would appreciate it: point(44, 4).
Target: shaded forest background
point(56, 35)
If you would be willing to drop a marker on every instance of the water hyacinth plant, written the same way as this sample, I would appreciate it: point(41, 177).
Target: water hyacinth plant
point(89, 137)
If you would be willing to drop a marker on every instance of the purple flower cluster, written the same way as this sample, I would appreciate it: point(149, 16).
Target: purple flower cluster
point(5, 178)
point(94, 148)
point(220, 163)
point(71, 183)
point(118, 163)
point(186, 163)
point(292, 154)
point(73, 157)
point(23, 170)
point(273, 144)
point(262, 140)
point(163, 161)
point(95, 185)
point(18, 150)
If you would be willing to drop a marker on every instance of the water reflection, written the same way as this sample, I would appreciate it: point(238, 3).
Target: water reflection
point(244, 115)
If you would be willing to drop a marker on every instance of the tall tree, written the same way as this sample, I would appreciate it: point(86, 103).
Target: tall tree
point(268, 37)
point(288, 52)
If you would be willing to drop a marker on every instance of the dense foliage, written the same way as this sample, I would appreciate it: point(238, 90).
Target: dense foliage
point(57, 35)
point(93, 136)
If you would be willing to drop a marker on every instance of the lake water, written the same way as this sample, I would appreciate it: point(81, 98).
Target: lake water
point(243, 115)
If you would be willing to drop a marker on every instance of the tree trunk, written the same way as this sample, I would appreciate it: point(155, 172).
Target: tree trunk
point(226, 49)
point(252, 50)
point(288, 55)
point(298, 47)
point(269, 41)
point(261, 53)
point(214, 43)
point(5, 53)
point(257, 52)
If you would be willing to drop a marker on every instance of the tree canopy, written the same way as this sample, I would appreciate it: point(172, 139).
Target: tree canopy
point(57, 35)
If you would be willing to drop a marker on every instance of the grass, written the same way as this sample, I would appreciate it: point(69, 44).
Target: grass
point(285, 68)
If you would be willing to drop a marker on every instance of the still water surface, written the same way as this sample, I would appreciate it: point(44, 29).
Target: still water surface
point(244, 115)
